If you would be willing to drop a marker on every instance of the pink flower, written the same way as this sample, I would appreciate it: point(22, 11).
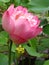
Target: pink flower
point(20, 24)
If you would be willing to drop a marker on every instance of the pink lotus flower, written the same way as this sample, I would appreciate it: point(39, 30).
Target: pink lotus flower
point(20, 24)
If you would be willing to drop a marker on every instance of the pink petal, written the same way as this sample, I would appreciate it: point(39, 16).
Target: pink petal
point(17, 39)
point(37, 31)
point(7, 22)
point(11, 9)
point(21, 25)
point(20, 8)
point(25, 10)
point(31, 33)
point(38, 21)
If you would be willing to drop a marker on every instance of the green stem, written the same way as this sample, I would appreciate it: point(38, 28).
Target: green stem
point(16, 61)
point(10, 46)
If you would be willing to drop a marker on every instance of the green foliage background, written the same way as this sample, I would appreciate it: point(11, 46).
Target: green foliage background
point(39, 46)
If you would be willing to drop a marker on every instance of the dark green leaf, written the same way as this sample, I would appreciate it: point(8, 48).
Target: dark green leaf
point(46, 62)
point(3, 59)
point(3, 6)
point(45, 42)
point(39, 9)
point(3, 48)
point(33, 42)
point(17, 2)
point(43, 21)
point(13, 47)
point(31, 51)
point(40, 61)
point(4, 1)
point(0, 18)
point(3, 37)
point(39, 5)
point(46, 29)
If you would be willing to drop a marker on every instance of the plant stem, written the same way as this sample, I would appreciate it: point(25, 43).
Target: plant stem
point(10, 46)
point(16, 61)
